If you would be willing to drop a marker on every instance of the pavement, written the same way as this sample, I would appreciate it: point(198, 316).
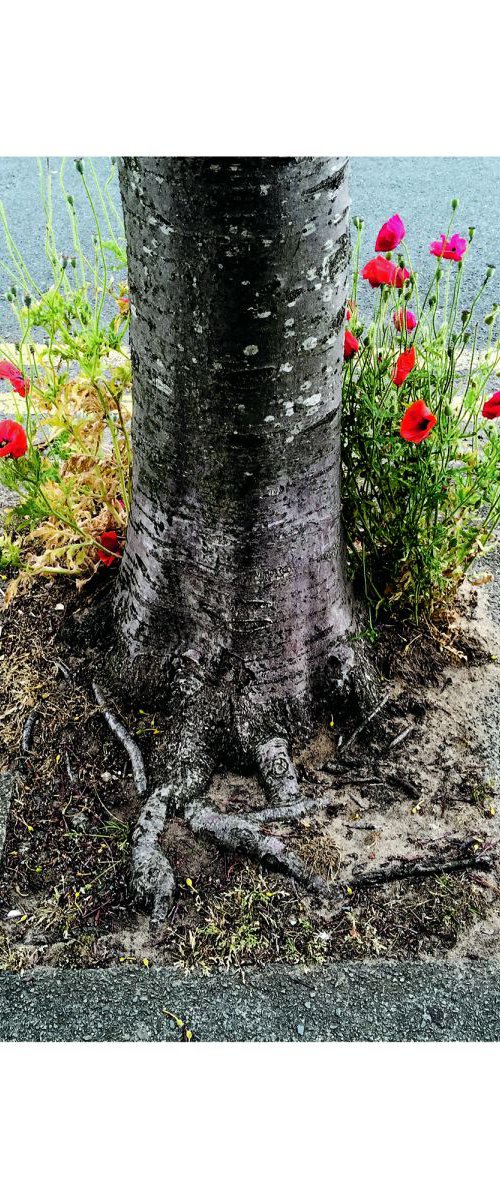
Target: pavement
point(420, 189)
point(369, 1001)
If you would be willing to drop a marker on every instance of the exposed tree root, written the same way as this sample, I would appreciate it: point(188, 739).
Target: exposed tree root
point(193, 764)
point(127, 741)
point(208, 724)
point(152, 876)
point(7, 788)
point(388, 872)
point(244, 835)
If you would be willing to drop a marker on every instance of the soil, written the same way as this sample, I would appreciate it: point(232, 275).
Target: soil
point(409, 786)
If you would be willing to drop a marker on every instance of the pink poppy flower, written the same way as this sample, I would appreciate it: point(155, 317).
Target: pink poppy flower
point(391, 234)
point(453, 249)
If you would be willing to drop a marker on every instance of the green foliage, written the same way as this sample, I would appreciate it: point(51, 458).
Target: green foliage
point(10, 552)
point(417, 515)
point(73, 481)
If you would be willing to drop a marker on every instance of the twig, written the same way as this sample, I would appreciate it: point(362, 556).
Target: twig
point(64, 670)
point(415, 870)
point(360, 825)
point(70, 773)
point(28, 730)
point(127, 741)
point(400, 738)
point(365, 723)
point(404, 784)
point(345, 780)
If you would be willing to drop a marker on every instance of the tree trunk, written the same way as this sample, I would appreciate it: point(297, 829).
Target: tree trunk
point(232, 597)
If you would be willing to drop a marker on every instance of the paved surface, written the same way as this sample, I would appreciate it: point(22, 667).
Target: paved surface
point(420, 189)
point(20, 195)
point(345, 1002)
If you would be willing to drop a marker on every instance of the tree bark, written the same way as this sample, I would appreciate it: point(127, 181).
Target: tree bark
point(237, 277)
point(232, 597)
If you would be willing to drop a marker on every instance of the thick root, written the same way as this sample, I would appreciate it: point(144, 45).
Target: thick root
point(277, 771)
point(190, 758)
point(127, 741)
point(153, 880)
point(243, 835)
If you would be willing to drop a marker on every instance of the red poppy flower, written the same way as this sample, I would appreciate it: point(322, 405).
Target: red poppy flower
point(417, 423)
point(351, 345)
point(404, 319)
point(404, 365)
point(13, 440)
point(19, 383)
point(381, 270)
point(110, 548)
point(400, 274)
point(378, 271)
point(491, 408)
point(391, 234)
point(453, 249)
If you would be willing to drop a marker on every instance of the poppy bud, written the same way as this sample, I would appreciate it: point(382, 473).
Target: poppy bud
point(27, 300)
point(454, 205)
point(465, 315)
point(439, 273)
point(113, 161)
point(472, 230)
point(489, 319)
point(490, 271)
point(432, 302)
point(73, 263)
point(13, 290)
point(9, 297)
point(71, 202)
point(358, 222)
point(79, 165)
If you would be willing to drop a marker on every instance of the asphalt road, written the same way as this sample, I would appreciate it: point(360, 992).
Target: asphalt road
point(375, 1001)
point(420, 189)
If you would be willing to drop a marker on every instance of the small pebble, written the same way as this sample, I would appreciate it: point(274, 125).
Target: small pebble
point(14, 912)
point(300, 1029)
point(59, 607)
point(307, 1004)
point(79, 820)
point(106, 776)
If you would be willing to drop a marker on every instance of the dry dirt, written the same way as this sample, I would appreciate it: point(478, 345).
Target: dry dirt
point(63, 884)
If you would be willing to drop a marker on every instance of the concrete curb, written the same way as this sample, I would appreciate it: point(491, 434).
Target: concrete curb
point(375, 1001)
